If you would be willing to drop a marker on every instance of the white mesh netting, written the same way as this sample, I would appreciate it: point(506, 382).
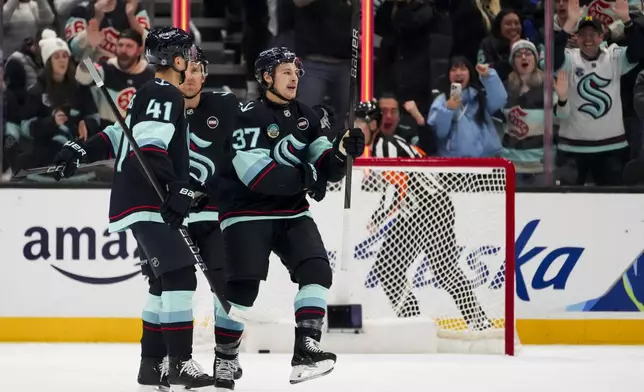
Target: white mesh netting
point(429, 252)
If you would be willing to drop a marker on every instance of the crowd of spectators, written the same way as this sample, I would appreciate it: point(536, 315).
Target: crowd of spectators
point(457, 78)
point(427, 46)
point(48, 94)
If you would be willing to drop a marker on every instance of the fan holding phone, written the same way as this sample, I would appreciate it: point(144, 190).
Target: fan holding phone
point(463, 122)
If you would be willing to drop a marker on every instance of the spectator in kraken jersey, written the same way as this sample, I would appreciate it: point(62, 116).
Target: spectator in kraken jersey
point(122, 74)
point(94, 32)
point(523, 140)
point(593, 139)
point(57, 108)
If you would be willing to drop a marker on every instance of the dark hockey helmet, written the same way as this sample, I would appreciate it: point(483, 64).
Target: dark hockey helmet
point(163, 44)
point(368, 111)
point(200, 57)
point(269, 59)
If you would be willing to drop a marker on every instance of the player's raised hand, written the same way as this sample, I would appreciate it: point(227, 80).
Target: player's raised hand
point(352, 143)
point(177, 203)
point(69, 156)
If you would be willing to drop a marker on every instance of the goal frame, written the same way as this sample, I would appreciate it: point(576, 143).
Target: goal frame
point(510, 186)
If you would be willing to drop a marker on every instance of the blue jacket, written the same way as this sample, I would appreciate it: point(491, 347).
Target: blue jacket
point(458, 133)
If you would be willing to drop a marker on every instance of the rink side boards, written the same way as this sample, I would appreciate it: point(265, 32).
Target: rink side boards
point(128, 330)
point(66, 279)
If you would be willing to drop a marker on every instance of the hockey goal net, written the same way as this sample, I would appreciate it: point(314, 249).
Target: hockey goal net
point(432, 263)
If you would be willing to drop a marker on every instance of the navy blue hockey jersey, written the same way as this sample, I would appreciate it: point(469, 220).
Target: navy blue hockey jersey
point(209, 124)
point(157, 120)
point(261, 177)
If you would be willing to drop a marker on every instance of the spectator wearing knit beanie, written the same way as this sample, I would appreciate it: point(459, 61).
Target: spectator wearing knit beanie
point(58, 108)
point(523, 138)
point(50, 44)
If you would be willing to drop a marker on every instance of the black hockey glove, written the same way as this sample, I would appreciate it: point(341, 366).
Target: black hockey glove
point(317, 191)
point(351, 143)
point(177, 203)
point(309, 175)
point(201, 199)
point(69, 157)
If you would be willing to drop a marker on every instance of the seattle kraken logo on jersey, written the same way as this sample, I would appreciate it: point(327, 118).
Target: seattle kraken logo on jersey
point(200, 163)
point(283, 151)
point(591, 89)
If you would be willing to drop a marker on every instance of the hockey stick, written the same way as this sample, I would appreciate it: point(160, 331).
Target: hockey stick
point(52, 169)
point(347, 243)
point(153, 181)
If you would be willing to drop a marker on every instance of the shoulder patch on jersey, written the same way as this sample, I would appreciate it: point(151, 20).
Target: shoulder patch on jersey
point(273, 131)
point(212, 122)
point(302, 123)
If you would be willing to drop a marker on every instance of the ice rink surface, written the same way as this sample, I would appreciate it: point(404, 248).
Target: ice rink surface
point(113, 368)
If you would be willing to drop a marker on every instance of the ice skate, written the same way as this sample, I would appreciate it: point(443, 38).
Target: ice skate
point(153, 375)
point(188, 374)
point(238, 370)
point(309, 360)
point(226, 372)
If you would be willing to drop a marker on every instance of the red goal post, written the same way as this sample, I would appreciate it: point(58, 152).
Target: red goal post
point(448, 165)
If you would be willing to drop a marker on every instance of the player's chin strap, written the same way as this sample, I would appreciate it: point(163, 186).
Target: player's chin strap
point(271, 88)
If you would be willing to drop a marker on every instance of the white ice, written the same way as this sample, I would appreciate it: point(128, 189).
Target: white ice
point(113, 368)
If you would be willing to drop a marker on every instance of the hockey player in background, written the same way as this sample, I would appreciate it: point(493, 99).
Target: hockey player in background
point(423, 218)
point(276, 155)
point(156, 117)
point(212, 116)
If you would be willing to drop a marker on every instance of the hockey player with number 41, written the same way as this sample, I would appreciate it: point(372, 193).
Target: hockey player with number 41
point(276, 156)
point(156, 117)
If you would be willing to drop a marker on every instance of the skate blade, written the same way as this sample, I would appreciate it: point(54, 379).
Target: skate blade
point(183, 388)
point(309, 372)
point(153, 388)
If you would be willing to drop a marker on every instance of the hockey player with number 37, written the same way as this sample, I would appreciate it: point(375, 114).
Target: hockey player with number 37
point(156, 117)
point(276, 156)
